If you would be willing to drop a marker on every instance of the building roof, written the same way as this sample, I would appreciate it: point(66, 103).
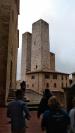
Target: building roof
point(40, 21)
point(52, 53)
point(73, 73)
point(57, 72)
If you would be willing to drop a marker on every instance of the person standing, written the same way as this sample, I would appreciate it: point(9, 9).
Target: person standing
point(23, 89)
point(43, 106)
point(55, 119)
point(23, 86)
point(17, 111)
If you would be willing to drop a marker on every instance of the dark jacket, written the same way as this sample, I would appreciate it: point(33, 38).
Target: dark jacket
point(55, 121)
point(17, 111)
point(43, 106)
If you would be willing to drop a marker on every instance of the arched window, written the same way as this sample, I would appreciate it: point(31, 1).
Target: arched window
point(47, 85)
point(54, 85)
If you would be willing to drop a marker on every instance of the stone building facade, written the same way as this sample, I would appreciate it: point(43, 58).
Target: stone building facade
point(73, 77)
point(9, 40)
point(38, 63)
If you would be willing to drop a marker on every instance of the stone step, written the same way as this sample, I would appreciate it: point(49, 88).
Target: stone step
point(11, 95)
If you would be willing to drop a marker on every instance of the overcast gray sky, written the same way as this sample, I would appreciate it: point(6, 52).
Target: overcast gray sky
point(60, 14)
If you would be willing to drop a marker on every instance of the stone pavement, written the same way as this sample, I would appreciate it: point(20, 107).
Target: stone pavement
point(33, 124)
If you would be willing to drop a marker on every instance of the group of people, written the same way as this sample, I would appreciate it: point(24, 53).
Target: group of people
point(53, 117)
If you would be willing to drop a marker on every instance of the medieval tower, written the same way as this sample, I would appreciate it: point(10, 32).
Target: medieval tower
point(36, 55)
point(40, 57)
point(26, 53)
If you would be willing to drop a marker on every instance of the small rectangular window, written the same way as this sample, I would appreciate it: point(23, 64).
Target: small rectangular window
point(47, 85)
point(47, 76)
point(66, 85)
point(66, 77)
point(62, 77)
point(32, 85)
point(54, 76)
point(62, 85)
point(33, 77)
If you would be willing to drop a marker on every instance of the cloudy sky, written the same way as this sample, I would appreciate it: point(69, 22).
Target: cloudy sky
point(60, 14)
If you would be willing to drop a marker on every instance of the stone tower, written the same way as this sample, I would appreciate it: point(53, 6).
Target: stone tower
point(40, 56)
point(26, 54)
point(9, 11)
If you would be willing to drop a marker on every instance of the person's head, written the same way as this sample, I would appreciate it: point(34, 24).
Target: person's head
point(18, 94)
point(53, 102)
point(47, 93)
point(23, 85)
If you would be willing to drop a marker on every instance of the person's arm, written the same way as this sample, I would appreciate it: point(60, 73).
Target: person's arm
point(43, 123)
point(26, 111)
point(66, 120)
point(71, 115)
point(8, 111)
point(40, 108)
point(39, 111)
point(45, 120)
point(8, 114)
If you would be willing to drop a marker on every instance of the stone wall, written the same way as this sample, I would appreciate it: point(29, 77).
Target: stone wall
point(38, 82)
point(40, 59)
point(4, 31)
point(8, 47)
point(26, 54)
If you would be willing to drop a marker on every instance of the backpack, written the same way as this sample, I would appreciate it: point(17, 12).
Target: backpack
point(57, 122)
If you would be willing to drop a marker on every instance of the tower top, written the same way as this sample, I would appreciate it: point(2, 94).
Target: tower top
point(26, 33)
point(41, 21)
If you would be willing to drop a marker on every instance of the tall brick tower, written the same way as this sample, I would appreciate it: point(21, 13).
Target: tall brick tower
point(9, 10)
point(40, 56)
point(26, 54)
